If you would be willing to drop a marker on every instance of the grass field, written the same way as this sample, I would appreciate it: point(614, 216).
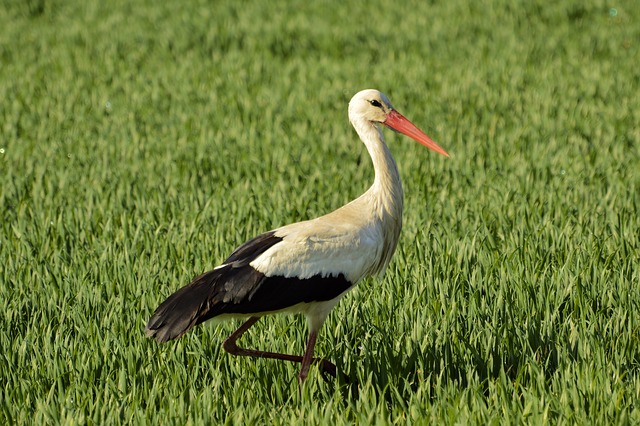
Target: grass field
point(140, 142)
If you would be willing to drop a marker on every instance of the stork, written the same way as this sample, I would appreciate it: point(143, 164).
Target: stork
point(305, 267)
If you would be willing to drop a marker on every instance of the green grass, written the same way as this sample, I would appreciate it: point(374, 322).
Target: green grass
point(140, 142)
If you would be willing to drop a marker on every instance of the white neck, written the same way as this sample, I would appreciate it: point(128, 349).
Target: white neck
point(385, 196)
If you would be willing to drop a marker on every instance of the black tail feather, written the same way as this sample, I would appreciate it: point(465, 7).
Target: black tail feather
point(184, 309)
point(209, 294)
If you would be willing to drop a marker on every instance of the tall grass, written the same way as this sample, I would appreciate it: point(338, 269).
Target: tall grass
point(140, 142)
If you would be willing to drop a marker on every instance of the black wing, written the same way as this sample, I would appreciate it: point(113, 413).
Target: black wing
point(237, 288)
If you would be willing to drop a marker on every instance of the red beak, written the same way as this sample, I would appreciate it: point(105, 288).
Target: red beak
point(397, 122)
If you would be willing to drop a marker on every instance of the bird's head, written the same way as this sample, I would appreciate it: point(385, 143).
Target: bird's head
point(373, 106)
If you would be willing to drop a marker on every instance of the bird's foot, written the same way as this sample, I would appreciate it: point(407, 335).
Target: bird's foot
point(327, 369)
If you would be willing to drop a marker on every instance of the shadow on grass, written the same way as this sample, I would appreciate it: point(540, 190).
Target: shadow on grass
point(462, 364)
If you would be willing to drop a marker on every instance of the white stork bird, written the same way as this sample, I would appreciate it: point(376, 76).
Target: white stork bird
point(307, 266)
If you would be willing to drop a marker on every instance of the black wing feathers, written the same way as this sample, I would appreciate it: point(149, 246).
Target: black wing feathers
point(182, 310)
point(275, 293)
point(237, 288)
point(253, 248)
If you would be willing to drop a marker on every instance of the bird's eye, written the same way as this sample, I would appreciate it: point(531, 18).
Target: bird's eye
point(375, 103)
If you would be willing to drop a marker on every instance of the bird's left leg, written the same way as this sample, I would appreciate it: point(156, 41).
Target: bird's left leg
point(230, 346)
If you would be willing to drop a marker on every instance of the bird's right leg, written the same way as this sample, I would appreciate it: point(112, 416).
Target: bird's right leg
point(230, 346)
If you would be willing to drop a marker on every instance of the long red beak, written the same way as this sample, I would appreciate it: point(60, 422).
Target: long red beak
point(397, 122)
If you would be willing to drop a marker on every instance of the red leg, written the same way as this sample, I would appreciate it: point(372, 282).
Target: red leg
point(308, 357)
point(230, 346)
